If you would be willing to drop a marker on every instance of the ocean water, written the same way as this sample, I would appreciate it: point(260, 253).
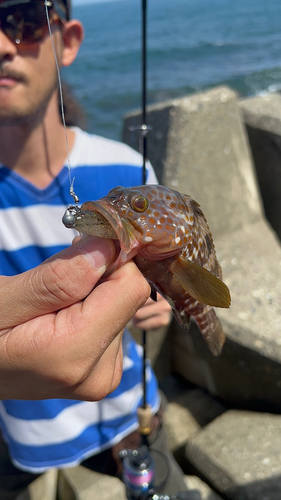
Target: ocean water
point(193, 45)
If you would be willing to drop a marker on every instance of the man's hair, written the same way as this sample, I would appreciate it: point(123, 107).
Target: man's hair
point(67, 4)
point(74, 113)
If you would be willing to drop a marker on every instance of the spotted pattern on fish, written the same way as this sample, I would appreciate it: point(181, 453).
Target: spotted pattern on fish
point(167, 235)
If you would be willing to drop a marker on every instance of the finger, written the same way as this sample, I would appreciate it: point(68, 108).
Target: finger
point(67, 277)
point(152, 323)
point(104, 377)
point(126, 290)
point(152, 308)
point(88, 335)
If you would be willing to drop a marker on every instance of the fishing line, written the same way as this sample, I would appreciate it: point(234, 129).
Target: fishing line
point(71, 181)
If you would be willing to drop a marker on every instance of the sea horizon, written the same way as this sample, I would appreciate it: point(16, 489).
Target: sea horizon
point(192, 46)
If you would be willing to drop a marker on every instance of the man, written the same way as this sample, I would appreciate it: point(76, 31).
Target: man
point(34, 192)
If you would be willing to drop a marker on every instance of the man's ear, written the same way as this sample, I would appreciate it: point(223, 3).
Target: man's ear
point(73, 34)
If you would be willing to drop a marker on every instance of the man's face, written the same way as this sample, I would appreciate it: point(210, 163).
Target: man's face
point(28, 76)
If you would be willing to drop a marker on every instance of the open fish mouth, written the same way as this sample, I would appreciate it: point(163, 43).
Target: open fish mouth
point(95, 220)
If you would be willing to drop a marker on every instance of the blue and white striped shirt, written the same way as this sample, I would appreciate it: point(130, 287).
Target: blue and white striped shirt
point(56, 432)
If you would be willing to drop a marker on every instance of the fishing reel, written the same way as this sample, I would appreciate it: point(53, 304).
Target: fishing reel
point(139, 477)
point(139, 471)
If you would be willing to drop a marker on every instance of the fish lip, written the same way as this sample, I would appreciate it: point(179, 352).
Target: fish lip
point(119, 225)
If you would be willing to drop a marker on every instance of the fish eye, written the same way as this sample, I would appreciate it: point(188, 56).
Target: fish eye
point(139, 203)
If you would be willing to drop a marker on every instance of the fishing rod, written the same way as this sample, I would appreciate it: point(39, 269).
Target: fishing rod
point(143, 132)
point(138, 464)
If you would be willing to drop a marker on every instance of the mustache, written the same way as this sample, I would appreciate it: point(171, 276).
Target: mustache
point(13, 75)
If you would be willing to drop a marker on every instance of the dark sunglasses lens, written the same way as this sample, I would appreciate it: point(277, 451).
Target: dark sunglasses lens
point(24, 23)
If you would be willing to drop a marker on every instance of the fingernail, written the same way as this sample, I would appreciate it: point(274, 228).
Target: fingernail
point(98, 251)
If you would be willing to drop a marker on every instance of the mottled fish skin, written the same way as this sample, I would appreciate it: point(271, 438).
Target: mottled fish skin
point(168, 237)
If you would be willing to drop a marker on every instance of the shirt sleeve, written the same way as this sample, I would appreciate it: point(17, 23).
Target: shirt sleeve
point(151, 176)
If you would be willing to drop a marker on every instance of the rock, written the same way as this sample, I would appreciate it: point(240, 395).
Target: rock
point(43, 488)
point(262, 117)
point(201, 405)
point(180, 425)
point(198, 145)
point(194, 483)
point(80, 483)
point(239, 453)
point(248, 372)
point(185, 416)
point(262, 112)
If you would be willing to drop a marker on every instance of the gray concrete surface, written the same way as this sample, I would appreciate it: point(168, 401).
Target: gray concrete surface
point(80, 483)
point(248, 371)
point(194, 483)
point(180, 425)
point(262, 117)
point(239, 453)
point(198, 145)
point(187, 414)
point(43, 488)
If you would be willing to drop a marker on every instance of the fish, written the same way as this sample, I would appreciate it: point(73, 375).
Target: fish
point(168, 237)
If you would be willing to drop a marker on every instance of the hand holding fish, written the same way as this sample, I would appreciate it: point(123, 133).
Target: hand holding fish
point(167, 236)
point(153, 314)
point(60, 336)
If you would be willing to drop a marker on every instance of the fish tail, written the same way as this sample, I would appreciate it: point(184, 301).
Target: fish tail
point(211, 329)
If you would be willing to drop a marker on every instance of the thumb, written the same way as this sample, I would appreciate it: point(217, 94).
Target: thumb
point(60, 281)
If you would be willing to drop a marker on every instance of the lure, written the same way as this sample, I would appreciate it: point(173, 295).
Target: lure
point(168, 237)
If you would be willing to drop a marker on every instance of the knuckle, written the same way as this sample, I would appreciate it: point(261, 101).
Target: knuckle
point(58, 283)
point(71, 377)
point(102, 382)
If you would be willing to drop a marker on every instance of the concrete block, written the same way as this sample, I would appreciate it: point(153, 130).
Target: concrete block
point(198, 146)
point(239, 454)
point(185, 416)
point(201, 405)
point(43, 488)
point(194, 483)
point(80, 483)
point(262, 117)
point(248, 372)
point(180, 425)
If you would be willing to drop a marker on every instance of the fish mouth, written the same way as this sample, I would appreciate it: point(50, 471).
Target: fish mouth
point(115, 226)
point(103, 221)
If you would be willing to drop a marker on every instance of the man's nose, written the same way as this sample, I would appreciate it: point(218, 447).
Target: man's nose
point(8, 49)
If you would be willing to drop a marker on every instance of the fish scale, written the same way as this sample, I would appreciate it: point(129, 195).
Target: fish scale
point(167, 235)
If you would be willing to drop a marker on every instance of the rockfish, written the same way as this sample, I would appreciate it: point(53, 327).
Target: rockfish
point(167, 236)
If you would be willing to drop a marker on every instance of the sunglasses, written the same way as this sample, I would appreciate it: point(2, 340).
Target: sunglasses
point(25, 22)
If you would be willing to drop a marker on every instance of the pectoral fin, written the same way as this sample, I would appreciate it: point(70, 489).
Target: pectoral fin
point(200, 283)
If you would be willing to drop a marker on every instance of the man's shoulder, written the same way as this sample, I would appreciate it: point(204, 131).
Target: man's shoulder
point(92, 149)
